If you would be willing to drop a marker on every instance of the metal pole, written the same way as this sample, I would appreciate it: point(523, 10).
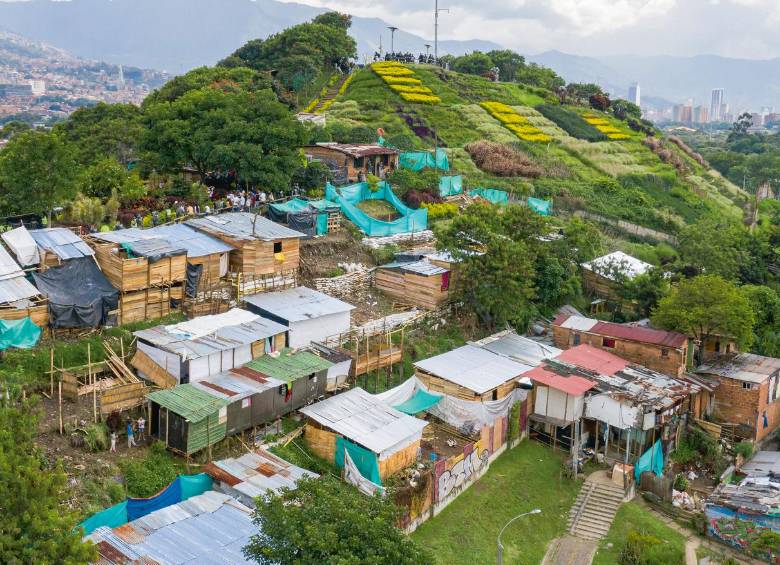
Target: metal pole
point(498, 540)
point(436, 32)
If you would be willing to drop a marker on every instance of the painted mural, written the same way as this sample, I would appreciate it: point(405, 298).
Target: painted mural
point(741, 530)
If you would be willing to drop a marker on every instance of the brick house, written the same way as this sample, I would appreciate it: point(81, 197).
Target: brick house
point(666, 352)
point(352, 162)
point(747, 393)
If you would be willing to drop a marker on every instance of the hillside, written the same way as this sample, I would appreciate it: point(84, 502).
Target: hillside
point(620, 178)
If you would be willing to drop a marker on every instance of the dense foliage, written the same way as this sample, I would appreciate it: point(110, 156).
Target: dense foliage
point(512, 68)
point(571, 123)
point(324, 521)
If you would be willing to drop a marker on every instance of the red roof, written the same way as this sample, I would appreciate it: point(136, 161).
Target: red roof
point(644, 335)
point(593, 359)
point(574, 385)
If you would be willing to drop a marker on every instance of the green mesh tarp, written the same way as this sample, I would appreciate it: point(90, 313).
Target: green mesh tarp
point(492, 195)
point(419, 402)
point(193, 485)
point(450, 186)
point(419, 160)
point(22, 334)
point(364, 459)
point(348, 197)
point(541, 207)
point(651, 460)
point(112, 517)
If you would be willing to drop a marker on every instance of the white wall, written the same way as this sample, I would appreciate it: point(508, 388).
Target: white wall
point(317, 329)
point(604, 408)
point(338, 373)
point(557, 404)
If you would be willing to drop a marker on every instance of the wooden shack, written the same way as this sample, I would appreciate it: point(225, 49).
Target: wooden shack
point(265, 254)
point(359, 421)
point(471, 373)
point(353, 162)
point(18, 297)
point(419, 283)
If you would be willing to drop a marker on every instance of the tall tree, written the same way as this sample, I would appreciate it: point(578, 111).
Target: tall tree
point(716, 245)
point(705, 307)
point(324, 521)
point(37, 173)
point(35, 527)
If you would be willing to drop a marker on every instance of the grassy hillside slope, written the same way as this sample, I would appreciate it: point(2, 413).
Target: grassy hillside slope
point(658, 187)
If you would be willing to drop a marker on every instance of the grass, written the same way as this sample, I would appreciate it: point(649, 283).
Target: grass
point(379, 209)
point(632, 516)
point(521, 479)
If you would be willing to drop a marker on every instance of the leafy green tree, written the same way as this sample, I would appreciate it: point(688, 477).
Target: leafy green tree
point(324, 521)
point(584, 239)
point(704, 307)
point(103, 130)
point(623, 109)
point(13, 127)
point(334, 19)
point(107, 176)
point(37, 172)
point(741, 126)
point(313, 176)
point(497, 252)
point(646, 290)
point(361, 134)
point(765, 304)
point(580, 93)
point(476, 63)
point(225, 129)
point(715, 245)
point(218, 78)
point(508, 63)
point(537, 75)
point(35, 527)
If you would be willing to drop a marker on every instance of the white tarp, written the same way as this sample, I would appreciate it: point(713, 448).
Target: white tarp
point(352, 475)
point(23, 245)
point(205, 325)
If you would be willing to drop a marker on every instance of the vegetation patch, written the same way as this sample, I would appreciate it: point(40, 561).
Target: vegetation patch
point(571, 123)
point(503, 160)
point(515, 122)
point(391, 71)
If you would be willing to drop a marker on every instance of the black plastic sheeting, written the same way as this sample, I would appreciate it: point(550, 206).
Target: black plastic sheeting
point(194, 273)
point(278, 216)
point(155, 249)
point(79, 294)
point(304, 221)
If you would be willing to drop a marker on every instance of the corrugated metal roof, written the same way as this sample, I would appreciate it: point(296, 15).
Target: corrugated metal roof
point(211, 528)
point(298, 304)
point(424, 268)
point(622, 331)
point(13, 285)
point(188, 401)
point(244, 225)
point(62, 242)
point(610, 265)
point(519, 348)
point(355, 149)
point(473, 367)
point(593, 359)
point(289, 365)
point(8, 267)
point(232, 386)
point(574, 384)
point(579, 323)
point(197, 244)
point(747, 367)
point(366, 420)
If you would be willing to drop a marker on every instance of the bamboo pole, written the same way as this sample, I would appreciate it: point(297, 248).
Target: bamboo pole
point(59, 386)
point(93, 380)
point(51, 371)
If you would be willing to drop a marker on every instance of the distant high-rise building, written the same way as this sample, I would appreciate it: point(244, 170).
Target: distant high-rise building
point(701, 115)
point(758, 119)
point(121, 75)
point(38, 87)
point(634, 94)
point(682, 113)
point(716, 104)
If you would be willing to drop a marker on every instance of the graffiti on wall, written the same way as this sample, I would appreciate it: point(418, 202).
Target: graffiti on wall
point(453, 473)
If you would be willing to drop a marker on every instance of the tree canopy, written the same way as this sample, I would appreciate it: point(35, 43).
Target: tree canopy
point(34, 525)
point(324, 521)
point(512, 68)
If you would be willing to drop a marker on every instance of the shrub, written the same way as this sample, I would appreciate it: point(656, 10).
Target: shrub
point(146, 477)
point(96, 437)
point(514, 122)
point(571, 123)
point(421, 98)
point(684, 454)
point(744, 448)
point(334, 272)
point(644, 549)
point(383, 255)
point(502, 160)
point(680, 482)
point(441, 210)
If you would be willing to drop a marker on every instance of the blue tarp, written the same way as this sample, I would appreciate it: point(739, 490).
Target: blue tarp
point(419, 160)
point(364, 459)
point(541, 207)
point(22, 334)
point(450, 186)
point(184, 487)
point(348, 197)
point(420, 401)
point(492, 195)
point(651, 460)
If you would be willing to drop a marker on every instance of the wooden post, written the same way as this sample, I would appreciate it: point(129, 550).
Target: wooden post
point(208, 435)
point(596, 445)
point(606, 446)
point(51, 371)
point(93, 380)
point(122, 347)
point(59, 386)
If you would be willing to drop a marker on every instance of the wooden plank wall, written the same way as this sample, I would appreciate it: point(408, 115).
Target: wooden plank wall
point(437, 384)
point(122, 397)
point(399, 460)
point(321, 442)
point(411, 288)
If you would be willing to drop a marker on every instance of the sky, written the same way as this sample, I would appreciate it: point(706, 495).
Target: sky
point(731, 28)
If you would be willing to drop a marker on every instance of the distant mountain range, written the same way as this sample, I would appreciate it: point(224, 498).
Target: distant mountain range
point(750, 84)
point(177, 35)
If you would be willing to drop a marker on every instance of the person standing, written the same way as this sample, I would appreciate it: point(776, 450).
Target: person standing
point(141, 429)
point(113, 442)
point(130, 436)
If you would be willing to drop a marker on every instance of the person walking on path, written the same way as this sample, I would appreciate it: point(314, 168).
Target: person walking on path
point(130, 436)
point(113, 442)
point(141, 429)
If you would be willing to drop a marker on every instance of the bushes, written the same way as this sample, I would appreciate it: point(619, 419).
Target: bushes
point(667, 155)
point(571, 123)
point(744, 448)
point(402, 81)
point(645, 549)
point(502, 160)
point(146, 477)
point(96, 437)
point(437, 211)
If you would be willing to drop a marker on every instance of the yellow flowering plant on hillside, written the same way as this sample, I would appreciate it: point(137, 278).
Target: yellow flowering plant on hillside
point(422, 98)
point(408, 88)
point(515, 123)
point(346, 83)
point(401, 80)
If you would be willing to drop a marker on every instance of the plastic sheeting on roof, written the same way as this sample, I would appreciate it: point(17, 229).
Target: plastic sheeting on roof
point(79, 294)
point(420, 402)
point(62, 242)
point(298, 304)
point(473, 367)
point(366, 420)
point(23, 245)
point(617, 263)
point(13, 284)
point(243, 225)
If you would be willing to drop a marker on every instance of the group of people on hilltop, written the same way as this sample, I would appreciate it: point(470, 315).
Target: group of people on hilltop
point(408, 58)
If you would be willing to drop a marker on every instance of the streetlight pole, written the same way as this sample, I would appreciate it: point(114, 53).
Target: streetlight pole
point(436, 11)
point(501, 547)
point(392, 39)
point(427, 51)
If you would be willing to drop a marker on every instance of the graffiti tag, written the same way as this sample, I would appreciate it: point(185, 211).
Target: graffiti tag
point(453, 479)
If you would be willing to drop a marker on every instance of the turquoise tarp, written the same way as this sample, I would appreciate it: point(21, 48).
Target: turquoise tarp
point(22, 334)
point(541, 207)
point(364, 459)
point(450, 186)
point(421, 401)
point(184, 487)
point(492, 195)
point(350, 196)
point(651, 460)
point(419, 160)
point(280, 211)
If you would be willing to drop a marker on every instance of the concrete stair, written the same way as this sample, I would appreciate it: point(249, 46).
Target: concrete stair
point(594, 509)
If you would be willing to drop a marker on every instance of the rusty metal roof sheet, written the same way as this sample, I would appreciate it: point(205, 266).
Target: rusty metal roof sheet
point(747, 367)
point(355, 150)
